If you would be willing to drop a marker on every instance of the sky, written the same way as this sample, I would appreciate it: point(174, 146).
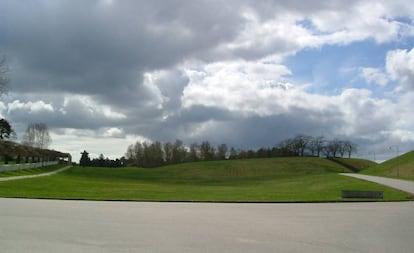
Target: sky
point(105, 74)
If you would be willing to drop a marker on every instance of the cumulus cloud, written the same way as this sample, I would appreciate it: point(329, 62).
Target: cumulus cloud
point(400, 66)
point(375, 76)
point(30, 107)
point(249, 87)
point(197, 70)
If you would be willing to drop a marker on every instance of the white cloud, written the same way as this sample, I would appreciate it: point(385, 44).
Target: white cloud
point(114, 132)
point(247, 87)
point(31, 107)
point(88, 106)
point(400, 66)
point(375, 76)
point(255, 89)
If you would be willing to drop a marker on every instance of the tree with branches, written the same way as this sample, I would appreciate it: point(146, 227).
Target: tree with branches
point(6, 130)
point(37, 135)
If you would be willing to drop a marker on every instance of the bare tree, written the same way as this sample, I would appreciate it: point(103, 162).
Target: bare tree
point(301, 142)
point(179, 151)
point(333, 147)
point(206, 151)
point(168, 152)
point(194, 154)
point(37, 135)
point(350, 147)
point(222, 151)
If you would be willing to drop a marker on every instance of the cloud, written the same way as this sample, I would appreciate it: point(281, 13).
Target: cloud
point(400, 66)
point(199, 70)
point(375, 76)
point(30, 107)
point(114, 132)
point(248, 87)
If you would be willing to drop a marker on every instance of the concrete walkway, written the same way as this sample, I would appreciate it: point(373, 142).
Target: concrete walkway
point(36, 175)
point(404, 185)
point(49, 226)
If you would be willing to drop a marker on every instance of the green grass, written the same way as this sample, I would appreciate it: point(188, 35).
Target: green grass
point(33, 171)
point(254, 180)
point(355, 164)
point(399, 167)
point(10, 162)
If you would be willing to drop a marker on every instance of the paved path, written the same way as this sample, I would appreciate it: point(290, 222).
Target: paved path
point(404, 185)
point(36, 175)
point(49, 226)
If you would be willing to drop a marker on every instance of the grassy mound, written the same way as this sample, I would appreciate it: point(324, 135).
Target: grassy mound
point(399, 167)
point(33, 171)
point(354, 164)
point(253, 180)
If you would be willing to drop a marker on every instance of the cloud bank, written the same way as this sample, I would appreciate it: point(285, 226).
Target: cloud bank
point(102, 71)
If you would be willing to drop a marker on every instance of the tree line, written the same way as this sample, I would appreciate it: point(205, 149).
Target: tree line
point(101, 161)
point(153, 154)
point(302, 145)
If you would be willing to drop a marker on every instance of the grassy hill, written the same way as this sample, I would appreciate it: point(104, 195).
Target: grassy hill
point(252, 180)
point(354, 164)
point(399, 167)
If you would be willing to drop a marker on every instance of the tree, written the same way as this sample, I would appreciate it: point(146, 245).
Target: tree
point(222, 151)
point(300, 143)
point(233, 153)
point(6, 130)
point(288, 148)
point(168, 152)
point(37, 135)
point(206, 151)
point(179, 152)
point(130, 155)
point(333, 147)
point(194, 152)
point(3, 75)
point(139, 153)
point(316, 145)
point(350, 147)
point(84, 160)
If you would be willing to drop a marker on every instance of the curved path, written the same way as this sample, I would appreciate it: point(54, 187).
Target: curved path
point(403, 185)
point(36, 175)
point(49, 226)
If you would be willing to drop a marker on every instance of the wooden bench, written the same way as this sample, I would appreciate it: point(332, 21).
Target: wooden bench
point(363, 194)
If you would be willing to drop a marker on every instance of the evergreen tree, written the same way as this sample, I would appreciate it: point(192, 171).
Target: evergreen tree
point(85, 160)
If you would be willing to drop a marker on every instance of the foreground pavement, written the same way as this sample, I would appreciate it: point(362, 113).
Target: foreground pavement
point(403, 185)
point(83, 226)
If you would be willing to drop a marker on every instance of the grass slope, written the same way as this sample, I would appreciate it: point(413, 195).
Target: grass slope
point(355, 164)
point(399, 167)
point(253, 180)
point(33, 171)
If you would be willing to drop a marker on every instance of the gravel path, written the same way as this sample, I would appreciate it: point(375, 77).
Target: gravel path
point(404, 185)
point(37, 175)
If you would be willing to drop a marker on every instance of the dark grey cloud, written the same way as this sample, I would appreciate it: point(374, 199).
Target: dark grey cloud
point(103, 50)
point(220, 125)
point(100, 65)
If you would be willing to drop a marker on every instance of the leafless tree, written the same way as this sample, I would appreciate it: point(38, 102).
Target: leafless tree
point(350, 147)
point(316, 145)
point(37, 135)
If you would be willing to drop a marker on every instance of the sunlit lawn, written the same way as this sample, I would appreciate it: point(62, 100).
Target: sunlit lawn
point(255, 180)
